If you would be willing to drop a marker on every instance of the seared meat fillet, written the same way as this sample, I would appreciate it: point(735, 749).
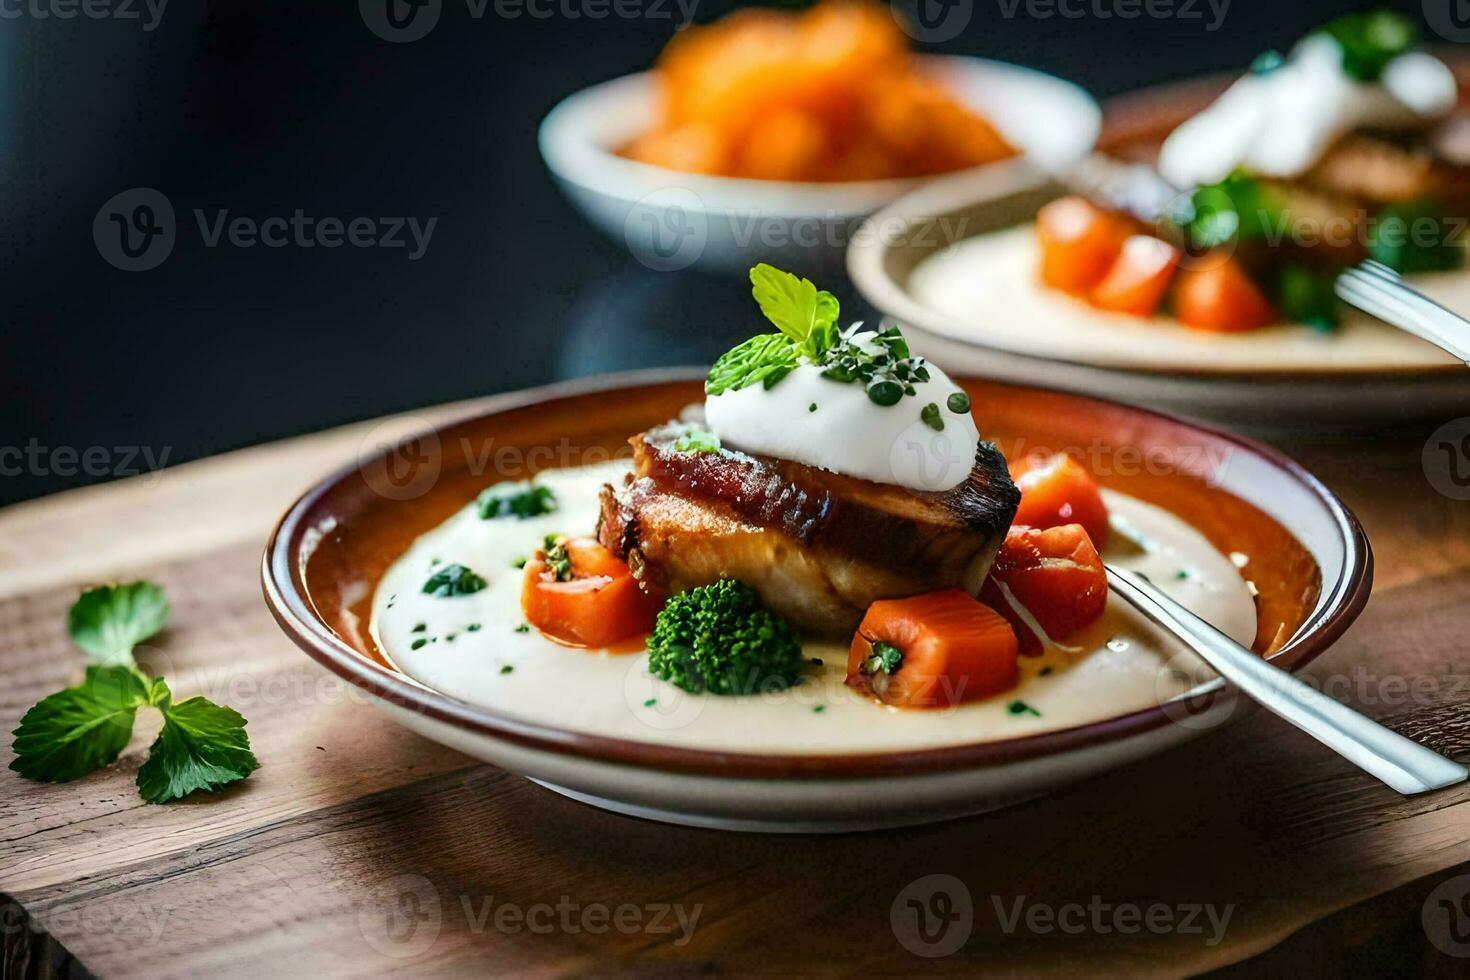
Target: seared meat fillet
point(817, 546)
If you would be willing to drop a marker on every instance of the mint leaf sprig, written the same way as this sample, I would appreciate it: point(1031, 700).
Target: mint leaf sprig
point(806, 318)
point(76, 731)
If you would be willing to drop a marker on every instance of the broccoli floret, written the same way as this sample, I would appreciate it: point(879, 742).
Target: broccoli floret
point(719, 638)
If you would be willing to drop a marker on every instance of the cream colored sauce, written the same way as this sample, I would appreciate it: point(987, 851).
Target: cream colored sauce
point(989, 285)
point(1120, 664)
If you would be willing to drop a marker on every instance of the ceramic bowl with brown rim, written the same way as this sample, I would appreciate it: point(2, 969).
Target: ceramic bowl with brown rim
point(954, 262)
point(1304, 554)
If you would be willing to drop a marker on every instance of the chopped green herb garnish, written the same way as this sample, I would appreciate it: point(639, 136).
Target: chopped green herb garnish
point(419, 628)
point(885, 658)
point(1237, 208)
point(812, 407)
point(1370, 39)
point(557, 559)
point(1306, 295)
point(930, 414)
point(1022, 708)
point(515, 499)
point(1182, 574)
point(507, 669)
point(1415, 237)
point(421, 641)
point(453, 580)
point(519, 562)
point(697, 441)
point(472, 628)
point(819, 709)
point(959, 403)
point(650, 702)
point(523, 628)
point(449, 637)
point(887, 373)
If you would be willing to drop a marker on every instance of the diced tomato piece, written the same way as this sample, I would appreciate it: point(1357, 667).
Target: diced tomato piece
point(1055, 575)
point(950, 648)
point(600, 605)
point(1079, 242)
point(1218, 295)
point(1058, 490)
point(1137, 281)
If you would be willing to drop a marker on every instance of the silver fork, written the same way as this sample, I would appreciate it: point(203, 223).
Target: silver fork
point(1375, 288)
point(1404, 765)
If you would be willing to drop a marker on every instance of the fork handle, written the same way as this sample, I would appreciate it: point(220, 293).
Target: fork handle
point(1376, 289)
point(1404, 765)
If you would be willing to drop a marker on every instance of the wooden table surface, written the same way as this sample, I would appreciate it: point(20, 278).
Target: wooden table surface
point(362, 848)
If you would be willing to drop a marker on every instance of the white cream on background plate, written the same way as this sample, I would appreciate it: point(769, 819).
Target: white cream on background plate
point(989, 284)
point(1118, 665)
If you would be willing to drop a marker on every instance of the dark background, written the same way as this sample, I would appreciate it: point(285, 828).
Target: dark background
point(262, 107)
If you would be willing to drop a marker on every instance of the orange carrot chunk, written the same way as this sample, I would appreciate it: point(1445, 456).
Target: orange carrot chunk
point(1058, 490)
point(1139, 277)
point(579, 593)
point(1055, 576)
point(1079, 242)
point(1219, 296)
point(932, 651)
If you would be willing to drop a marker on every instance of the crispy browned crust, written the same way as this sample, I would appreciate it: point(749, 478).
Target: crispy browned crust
point(819, 547)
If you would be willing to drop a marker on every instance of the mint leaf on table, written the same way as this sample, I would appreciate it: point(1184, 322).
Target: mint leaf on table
point(202, 746)
point(108, 621)
point(81, 729)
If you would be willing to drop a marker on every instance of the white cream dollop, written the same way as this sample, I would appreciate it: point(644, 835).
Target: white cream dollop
point(1281, 123)
point(848, 433)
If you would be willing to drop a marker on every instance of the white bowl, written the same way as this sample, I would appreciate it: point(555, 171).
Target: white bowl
point(673, 220)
